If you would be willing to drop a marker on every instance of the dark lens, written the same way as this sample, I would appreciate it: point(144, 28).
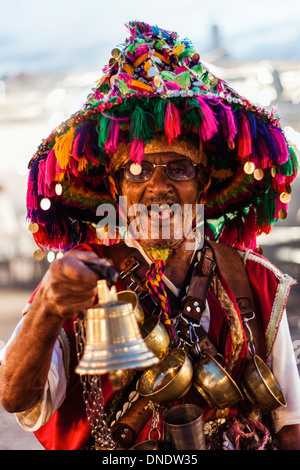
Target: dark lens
point(138, 173)
point(181, 170)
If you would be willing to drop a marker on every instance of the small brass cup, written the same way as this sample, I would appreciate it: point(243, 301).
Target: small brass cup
point(146, 445)
point(132, 298)
point(215, 384)
point(170, 380)
point(184, 425)
point(155, 336)
point(260, 385)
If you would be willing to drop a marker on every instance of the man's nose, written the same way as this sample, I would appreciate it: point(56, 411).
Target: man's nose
point(160, 182)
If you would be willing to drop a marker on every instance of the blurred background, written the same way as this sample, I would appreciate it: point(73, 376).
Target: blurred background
point(52, 54)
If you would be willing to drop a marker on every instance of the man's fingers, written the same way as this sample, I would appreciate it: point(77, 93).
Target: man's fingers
point(73, 270)
point(101, 267)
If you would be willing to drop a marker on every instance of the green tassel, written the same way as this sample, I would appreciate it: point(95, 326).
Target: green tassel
point(142, 125)
point(291, 166)
point(214, 230)
point(186, 53)
point(184, 80)
point(193, 117)
point(159, 112)
point(294, 157)
point(198, 69)
point(287, 168)
point(169, 76)
point(122, 87)
point(103, 131)
point(266, 208)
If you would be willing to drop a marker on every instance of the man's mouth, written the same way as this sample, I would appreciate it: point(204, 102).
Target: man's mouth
point(160, 212)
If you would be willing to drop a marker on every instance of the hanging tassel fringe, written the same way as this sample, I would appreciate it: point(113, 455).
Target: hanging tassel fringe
point(172, 123)
point(282, 153)
point(136, 152)
point(209, 125)
point(228, 124)
point(63, 148)
point(244, 148)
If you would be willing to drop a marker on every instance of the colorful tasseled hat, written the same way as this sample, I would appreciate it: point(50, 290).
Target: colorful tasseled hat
point(155, 85)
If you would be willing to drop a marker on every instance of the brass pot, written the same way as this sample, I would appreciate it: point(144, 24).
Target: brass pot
point(170, 380)
point(132, 298)
point(260, 385)
point(155, 336)
point(215, 384)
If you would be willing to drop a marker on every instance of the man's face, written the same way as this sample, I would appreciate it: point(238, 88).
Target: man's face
point(160, 225)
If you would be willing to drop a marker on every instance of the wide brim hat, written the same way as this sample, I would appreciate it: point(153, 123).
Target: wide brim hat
point(155, 86)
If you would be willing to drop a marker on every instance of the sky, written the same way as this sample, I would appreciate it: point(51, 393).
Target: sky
point(37, 35)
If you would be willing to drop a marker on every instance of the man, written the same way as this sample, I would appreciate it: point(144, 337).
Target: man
point(165, 134)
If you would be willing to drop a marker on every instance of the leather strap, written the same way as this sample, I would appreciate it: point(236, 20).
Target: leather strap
point(232, 269)
point(194, 304)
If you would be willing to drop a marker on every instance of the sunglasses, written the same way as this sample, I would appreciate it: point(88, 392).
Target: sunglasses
point(178, 170)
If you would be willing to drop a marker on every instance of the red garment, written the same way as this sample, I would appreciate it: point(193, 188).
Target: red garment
point(68, 428)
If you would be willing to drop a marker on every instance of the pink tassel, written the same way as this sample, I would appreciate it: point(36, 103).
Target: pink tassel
point(264, 156)
point(220, 86)
point(172, 85)
point(172, 123)
point(41, 178)
point(75, 148)
point(228, 124)
point(111, 144)
point(136, 151)
point(209, 125)
point(180, 69)
point(280, 179)
point(280, 143)
point(31, 197)
point(74, 167)
point(50, 169)
point(244, 138)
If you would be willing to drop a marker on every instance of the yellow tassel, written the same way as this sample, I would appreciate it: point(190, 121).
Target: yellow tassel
point(178, 49)
point(83, 164)
point(63, 148)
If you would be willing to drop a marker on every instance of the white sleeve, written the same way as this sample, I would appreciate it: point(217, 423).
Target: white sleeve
point(282, 362)
point(54, 392)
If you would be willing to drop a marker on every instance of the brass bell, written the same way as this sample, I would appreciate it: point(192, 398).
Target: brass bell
point(113, 339)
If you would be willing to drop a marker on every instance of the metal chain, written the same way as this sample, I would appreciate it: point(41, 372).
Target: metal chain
point(92, 394)
point(155, 420)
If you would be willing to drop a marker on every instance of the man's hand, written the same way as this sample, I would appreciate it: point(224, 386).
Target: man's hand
point(70, 285)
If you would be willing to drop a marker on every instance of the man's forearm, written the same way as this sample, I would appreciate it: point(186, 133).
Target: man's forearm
point(24, 372)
